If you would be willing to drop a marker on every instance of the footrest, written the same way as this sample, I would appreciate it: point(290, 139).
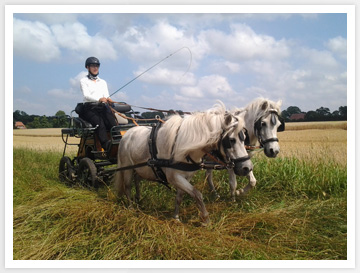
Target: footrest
point(68, 131)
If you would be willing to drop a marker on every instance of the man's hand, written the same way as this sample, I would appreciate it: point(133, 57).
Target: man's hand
point(103, 99)
point(109, 100)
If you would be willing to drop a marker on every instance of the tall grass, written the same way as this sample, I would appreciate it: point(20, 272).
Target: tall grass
point(297, 211)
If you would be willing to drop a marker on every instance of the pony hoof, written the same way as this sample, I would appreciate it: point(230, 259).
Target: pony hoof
point(205, 222)
point(177, 219)
point(240, 193)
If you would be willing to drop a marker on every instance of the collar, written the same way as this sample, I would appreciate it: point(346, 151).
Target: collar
point(92, 77)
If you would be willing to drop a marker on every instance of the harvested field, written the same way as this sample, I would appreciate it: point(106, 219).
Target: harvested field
point(316, 125)
point(315, 144)
point(316, 140)
point(297, 211)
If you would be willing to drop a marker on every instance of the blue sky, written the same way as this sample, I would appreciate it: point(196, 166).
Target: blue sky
point(235, 58)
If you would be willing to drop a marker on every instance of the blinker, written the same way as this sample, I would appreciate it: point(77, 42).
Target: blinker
point(226, 142)
point(273, 119)
point(281, 128)
point(242, 136)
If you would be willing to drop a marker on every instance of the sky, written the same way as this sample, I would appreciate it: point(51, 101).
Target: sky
point(233, 57)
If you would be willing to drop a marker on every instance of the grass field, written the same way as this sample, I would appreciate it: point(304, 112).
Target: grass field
point(297, 210)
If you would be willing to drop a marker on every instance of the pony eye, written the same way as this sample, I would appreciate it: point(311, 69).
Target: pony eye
point(263, 124)
point(232, 141)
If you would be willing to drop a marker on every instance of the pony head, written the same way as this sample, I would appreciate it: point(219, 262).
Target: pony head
point(265, 121)
point(233, 144)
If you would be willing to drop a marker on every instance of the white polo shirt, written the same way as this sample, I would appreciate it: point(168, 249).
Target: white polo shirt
point(93, 90)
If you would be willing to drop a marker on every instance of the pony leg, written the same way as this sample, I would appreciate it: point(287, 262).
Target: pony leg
point(178, 200)
point(183, 184)
point(209, 179)
point(137, 179)
point(128, 177)
point(118, 184)
point(250, 185)
point(232, 183)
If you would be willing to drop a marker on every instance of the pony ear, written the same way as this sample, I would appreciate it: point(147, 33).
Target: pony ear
point(228, 119)
point(279, 103)
point(264, 105)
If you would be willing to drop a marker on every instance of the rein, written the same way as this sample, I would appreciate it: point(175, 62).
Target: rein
point(152, 109)
point(134, 119)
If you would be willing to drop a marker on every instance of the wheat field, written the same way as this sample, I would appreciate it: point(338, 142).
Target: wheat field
point(304, 140)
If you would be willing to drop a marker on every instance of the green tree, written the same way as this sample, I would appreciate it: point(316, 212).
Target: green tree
point(336, 115)
point(60, 120)
point(293, 110)
point(312, 116)
point(285, 114)
point(44, 122)
point(343, 112)
point(35, 123)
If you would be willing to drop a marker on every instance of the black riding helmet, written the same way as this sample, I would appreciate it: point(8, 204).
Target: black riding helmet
point(91, 60)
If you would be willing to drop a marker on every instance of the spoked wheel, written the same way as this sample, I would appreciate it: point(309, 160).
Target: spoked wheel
point(66, 170)
point(87, 173)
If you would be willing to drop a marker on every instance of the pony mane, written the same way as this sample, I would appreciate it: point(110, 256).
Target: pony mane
point(257, 108)
point(193, 132)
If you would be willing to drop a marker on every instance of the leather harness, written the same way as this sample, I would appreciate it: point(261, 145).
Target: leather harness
point(156, 164)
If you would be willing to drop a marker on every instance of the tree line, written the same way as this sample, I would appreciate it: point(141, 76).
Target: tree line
point(61, 120)
point(320, 114)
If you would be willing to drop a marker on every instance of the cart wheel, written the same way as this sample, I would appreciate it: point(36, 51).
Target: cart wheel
point(66, 170)
point(87, 173)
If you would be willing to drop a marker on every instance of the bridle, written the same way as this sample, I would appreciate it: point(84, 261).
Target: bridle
point(225, 142)
point(257, 126)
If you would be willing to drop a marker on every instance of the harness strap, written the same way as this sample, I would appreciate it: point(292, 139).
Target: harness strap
point(241, 159)
point(270, 140)
point(158, 172)
point(128, 167)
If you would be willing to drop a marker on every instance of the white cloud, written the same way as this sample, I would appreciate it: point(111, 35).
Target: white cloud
point(319, 58)
point(75, 82)
point(164, 76)
point(213, 86)
point(244, 44)
point(74, 37)
point(23, 90)
point(226, 67)
point(152, 44)
point(338, 45)
point(34, 40)
point(40, 42)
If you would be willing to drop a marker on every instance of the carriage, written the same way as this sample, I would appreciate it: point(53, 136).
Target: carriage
point(91, 164)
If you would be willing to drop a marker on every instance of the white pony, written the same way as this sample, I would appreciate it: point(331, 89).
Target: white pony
point(262, 122)
point(181, 140)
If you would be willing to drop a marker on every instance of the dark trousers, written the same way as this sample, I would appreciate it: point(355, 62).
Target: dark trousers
point(101, 115)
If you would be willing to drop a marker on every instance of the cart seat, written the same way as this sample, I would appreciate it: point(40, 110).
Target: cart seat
point(122, 108)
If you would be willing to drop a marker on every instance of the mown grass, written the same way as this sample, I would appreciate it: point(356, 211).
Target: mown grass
point(297, 211)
